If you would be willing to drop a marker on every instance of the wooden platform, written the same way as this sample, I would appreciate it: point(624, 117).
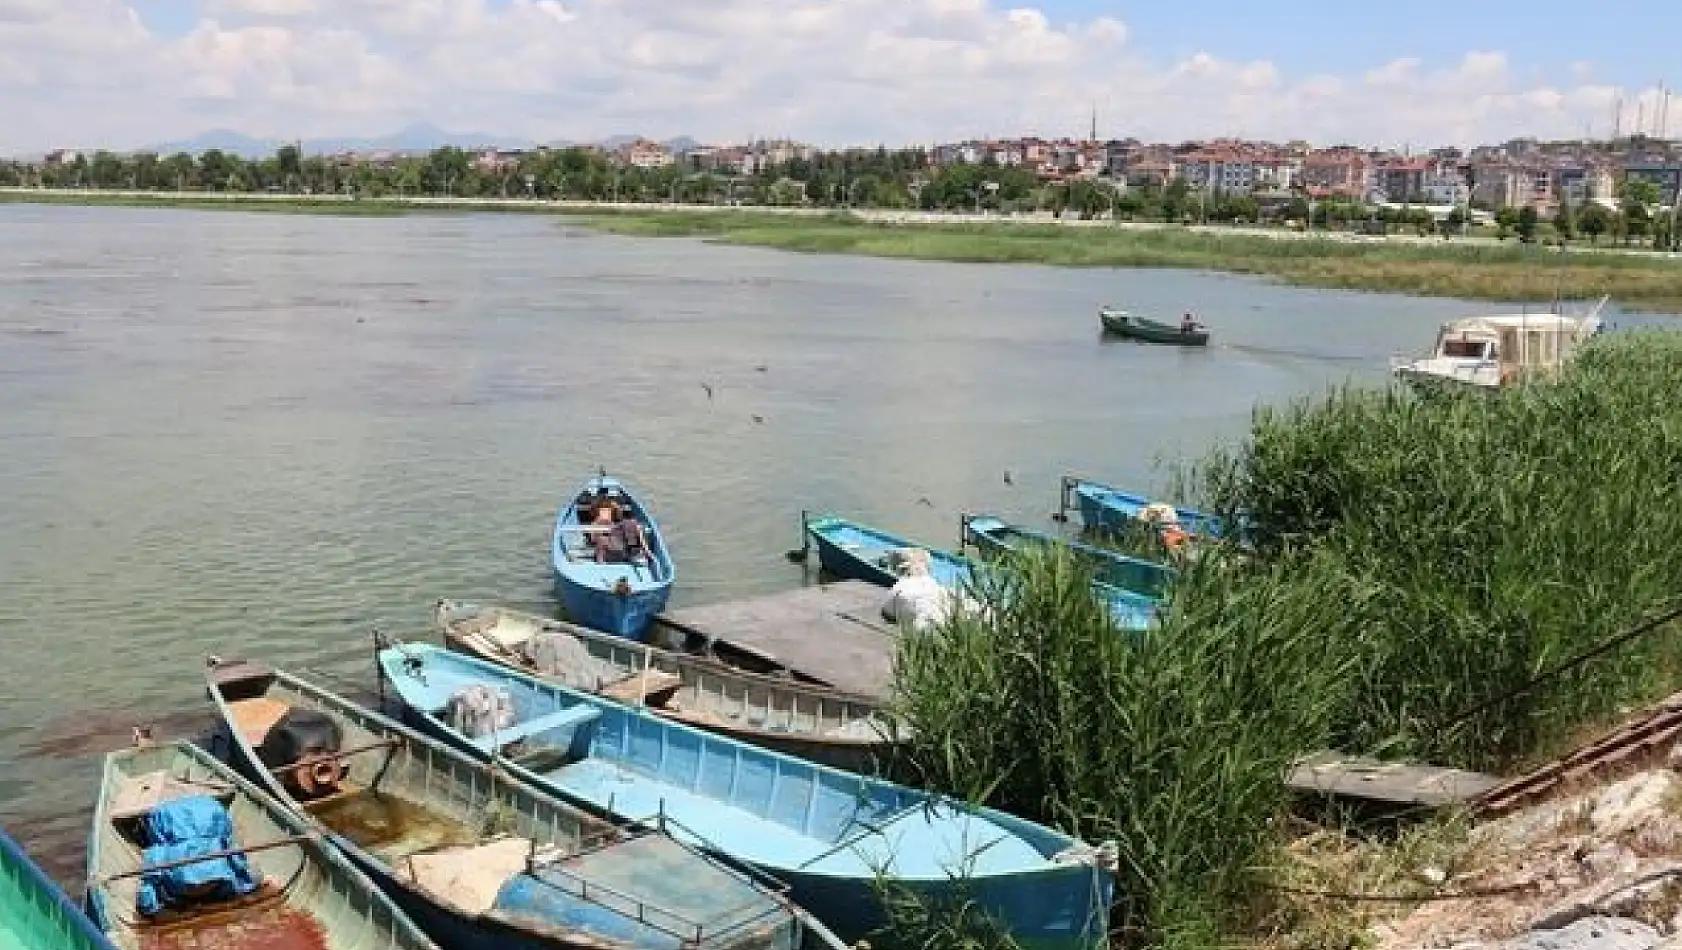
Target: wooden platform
point(1392, 783)
point(826, 633)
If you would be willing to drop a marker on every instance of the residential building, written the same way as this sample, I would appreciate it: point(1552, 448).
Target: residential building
point(1340, 171)
point(1278, 172)
point(1666, 175)
point(645, 154)
point(1401, 180)
point(61, 156)
point(1501, 185)
point(1445, 185)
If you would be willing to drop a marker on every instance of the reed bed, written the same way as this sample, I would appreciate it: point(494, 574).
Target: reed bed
point(1479, 541)
point(1414, 559)
point(1170, 742)
point(1506, 272)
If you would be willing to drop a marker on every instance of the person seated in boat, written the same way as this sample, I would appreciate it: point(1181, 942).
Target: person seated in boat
point(1188, 323)
point(623, 542)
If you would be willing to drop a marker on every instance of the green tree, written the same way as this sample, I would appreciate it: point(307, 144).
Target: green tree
point(1505, 220)
point(1594, 221)
point(1565, 221)
point(1526, 224)
point(1636, 200)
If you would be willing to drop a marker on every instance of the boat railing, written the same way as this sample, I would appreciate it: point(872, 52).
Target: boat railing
point(697, 932)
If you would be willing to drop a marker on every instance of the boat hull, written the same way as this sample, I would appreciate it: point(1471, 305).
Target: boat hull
point(622, 615)
point(1105, 509)
point(307, 886)
point(1150, 331)
point(1132, 588)
point(468, 796)
point(1047, 905)
point(848, 550)
point(618, 599)
point(35, 914)
point(708, 695)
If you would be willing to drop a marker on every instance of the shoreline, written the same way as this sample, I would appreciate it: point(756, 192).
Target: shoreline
point(1472, 268)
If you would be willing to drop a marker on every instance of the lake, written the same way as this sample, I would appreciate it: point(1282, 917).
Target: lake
point(267, 435)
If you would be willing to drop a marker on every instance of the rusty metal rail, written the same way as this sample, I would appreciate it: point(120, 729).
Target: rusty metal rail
point(1631, 745)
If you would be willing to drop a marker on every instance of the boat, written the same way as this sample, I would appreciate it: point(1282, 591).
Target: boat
point(1132, 588)
point(1106, 509)
point(811, 722)
point(830, 835)
point(852, 551)
point(1112, 569)
point(1135, 327)
point(617, 598)
point(239, 871)
point(480, 861)
point(35, 914)
point(1490, 353)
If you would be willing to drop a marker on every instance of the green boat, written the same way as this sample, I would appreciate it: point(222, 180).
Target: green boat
point(34, 913)
point(1135, 327)
point(186, 854)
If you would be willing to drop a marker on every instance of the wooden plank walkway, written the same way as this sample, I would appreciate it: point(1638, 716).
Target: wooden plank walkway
point(1395, 783)
point(828, 633)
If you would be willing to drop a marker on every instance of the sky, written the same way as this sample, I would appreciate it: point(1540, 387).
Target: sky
point(128, 73)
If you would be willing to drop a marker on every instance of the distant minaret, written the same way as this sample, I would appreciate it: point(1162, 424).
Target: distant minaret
point(1617, 117)
point(1094, 137)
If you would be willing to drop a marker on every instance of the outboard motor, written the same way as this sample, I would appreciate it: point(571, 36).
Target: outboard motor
point(300, 739)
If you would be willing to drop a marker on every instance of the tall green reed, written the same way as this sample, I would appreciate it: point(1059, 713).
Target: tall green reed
point(1487, 537)
point(1172, 742)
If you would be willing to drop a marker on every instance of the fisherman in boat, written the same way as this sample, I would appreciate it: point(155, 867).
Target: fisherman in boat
point(623, 542)
point(1188, 323)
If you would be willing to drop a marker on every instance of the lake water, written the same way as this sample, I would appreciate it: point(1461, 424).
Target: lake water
point(267, 435)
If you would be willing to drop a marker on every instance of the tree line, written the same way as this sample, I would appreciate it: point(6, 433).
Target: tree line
point(882, 178)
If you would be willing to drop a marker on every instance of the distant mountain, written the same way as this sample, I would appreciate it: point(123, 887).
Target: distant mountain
point(419, 137)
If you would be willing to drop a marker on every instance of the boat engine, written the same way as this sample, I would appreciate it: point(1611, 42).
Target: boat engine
point(301, 745)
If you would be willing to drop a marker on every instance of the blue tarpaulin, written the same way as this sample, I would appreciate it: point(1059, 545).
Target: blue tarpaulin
point(181, 829)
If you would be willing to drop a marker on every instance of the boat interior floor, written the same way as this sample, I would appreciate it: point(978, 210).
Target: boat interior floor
point(264, 920)
point(902, 841)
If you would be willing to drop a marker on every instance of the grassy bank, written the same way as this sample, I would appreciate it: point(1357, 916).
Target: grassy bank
point(208, 201)
point(1505, 272)
point(1416, 559)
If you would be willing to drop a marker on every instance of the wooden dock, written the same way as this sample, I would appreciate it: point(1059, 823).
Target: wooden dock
point(832, 634)
point(1389, 783)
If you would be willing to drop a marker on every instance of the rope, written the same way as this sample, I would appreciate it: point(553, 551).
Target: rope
point(1606, 646)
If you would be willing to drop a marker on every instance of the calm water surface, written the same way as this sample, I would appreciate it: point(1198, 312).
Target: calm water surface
point(266, 435)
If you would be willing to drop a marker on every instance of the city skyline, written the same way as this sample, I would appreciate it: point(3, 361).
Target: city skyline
point(126, 75)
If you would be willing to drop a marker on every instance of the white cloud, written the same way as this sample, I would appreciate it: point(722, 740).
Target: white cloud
point(92, 72)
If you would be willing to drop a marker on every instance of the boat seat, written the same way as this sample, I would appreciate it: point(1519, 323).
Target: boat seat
point(578, 717)
point(255, 717)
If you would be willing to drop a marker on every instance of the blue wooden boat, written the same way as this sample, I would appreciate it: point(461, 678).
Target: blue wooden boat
point(1132, 587)
point(35, 914)
point(805, 721)
point(303, 892)
point(852, 551)
point(617, 598)
point(1112, 568)
point(1103, 508)
point(828, 834)
point(479, 861)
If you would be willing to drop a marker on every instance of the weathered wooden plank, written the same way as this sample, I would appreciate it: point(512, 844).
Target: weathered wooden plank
point(830, 633)
point(1327, 773)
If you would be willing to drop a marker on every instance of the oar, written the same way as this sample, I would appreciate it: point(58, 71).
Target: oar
point(801, 553)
